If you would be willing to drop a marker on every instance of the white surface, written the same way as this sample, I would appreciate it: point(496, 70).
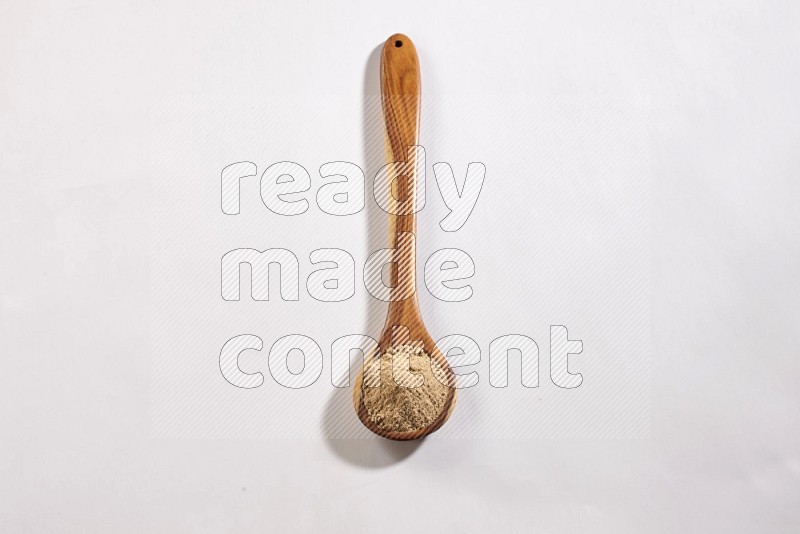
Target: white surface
point(79, 85)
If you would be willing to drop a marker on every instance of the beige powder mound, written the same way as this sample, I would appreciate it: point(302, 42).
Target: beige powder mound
point(404, 401)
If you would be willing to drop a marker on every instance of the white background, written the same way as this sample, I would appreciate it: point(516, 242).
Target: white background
point(80, 84)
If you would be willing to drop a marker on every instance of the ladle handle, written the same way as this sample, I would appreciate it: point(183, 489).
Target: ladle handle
point(400, 94)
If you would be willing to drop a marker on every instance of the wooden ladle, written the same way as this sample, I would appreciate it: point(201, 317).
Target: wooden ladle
point(400, 95)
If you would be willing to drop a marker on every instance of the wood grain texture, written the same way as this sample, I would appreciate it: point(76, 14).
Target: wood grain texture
point(400, 94)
